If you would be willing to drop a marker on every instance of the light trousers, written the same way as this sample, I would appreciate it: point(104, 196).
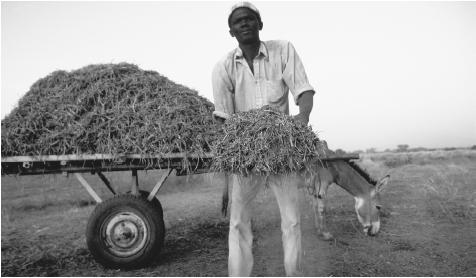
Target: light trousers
point(240, 240)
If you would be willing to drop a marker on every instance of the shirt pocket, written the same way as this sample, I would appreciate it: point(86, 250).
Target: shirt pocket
point(274, 90)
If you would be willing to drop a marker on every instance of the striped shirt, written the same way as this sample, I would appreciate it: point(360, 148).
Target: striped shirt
point(277, 70)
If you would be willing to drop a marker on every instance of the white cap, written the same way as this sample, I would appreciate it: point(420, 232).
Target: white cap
point(243, 4)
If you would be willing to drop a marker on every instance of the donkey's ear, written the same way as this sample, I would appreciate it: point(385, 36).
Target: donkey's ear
point(381, 183)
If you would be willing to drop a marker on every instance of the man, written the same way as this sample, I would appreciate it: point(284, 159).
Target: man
point(255, 74)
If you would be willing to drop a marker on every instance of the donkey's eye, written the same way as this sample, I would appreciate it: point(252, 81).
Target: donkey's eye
point(378, 207)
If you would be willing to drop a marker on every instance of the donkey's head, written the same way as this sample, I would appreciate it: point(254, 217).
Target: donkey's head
point(367, 207)
point(365, 190)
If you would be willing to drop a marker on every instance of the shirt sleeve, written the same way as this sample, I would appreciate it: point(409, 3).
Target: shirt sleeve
point(294, 74)
point(223, 92)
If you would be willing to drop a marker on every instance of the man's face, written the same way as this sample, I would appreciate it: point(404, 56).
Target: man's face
point(245, 26)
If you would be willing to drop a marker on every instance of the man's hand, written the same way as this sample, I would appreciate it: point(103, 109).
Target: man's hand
point(302, 118)
point(219, 120)
point(305, 103)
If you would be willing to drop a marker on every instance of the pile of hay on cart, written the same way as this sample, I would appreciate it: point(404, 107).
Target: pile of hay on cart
point(119, 109)
point(108, 109)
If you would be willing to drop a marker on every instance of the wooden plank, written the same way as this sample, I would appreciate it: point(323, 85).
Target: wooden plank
point(106, 182)
point(15, 165)
point(88, 188)
point(135, 183)
point(340, 157)
point(15, 168)
point(72, 157)
point(159, 184)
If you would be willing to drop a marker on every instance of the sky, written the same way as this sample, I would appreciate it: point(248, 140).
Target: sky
point(385, 73)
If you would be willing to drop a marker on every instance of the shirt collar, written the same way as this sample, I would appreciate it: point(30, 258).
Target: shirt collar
point(262, 51)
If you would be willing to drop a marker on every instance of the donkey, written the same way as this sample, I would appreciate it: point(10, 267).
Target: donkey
point(355, 181)
point(350, 177)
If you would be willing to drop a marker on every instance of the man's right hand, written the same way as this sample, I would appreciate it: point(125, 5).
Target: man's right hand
point(219, 120)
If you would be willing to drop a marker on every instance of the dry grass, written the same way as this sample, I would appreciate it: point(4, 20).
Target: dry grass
point(449, 193)
point(393, 160)
point(265, 141)
point(111, 109)
point(449, 183)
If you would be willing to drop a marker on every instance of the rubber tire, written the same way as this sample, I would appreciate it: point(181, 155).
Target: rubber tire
point(149, 212)
point(155, 202)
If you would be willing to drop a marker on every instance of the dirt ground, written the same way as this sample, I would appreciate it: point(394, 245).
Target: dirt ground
point(428, 224)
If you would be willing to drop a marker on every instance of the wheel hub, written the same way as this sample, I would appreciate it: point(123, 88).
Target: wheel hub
point(125, 234)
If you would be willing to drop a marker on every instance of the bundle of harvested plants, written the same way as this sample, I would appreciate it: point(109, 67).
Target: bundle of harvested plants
point(108, 109)
point(265, 141)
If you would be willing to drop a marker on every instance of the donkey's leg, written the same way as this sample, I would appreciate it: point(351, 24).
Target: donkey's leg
point(317, 221)
point(321, 201)
point(313, 191)
point(319, 209)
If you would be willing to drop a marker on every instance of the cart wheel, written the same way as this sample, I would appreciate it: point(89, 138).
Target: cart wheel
point(126, 231)
point(155, 202)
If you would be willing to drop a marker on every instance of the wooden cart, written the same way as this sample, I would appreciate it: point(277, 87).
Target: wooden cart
point(127, 230)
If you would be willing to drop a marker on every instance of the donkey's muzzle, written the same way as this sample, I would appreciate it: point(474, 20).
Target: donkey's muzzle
point(373, 229)
point(369, 230)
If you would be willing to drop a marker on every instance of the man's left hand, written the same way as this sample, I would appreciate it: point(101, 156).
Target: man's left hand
point(302, 118)
point(305, 103)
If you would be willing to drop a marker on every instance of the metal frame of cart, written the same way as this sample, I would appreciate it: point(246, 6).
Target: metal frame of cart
point(127, 230)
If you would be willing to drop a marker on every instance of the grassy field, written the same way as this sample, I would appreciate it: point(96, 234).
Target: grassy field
point(428, 224)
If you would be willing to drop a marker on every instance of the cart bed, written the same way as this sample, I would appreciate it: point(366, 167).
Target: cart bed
point(183, 163)
point(53, 164)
